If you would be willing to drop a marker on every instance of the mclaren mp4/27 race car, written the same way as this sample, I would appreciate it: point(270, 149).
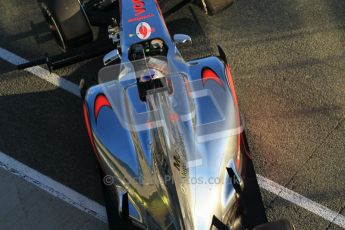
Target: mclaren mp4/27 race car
point(167, 133)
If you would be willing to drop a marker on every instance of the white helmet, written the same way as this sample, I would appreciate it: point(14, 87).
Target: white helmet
point(151, 74)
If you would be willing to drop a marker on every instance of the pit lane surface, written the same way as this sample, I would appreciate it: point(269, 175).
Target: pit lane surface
point(287, 59)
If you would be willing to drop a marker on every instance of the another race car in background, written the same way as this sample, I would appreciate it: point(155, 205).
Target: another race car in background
point(73, 24)
point(167, 133)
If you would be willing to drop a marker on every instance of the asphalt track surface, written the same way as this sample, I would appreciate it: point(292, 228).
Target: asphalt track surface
point(288, 63)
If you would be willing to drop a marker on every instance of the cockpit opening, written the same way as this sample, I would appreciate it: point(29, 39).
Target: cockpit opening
point(155, 76)
point(149, 48)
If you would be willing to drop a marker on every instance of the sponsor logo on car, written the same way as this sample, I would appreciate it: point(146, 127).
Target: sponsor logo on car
point(141, 18)
point(144, 30)
point(139, 7)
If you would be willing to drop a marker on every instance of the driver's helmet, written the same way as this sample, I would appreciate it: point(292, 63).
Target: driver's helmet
point(151, 74)
point(156, 69)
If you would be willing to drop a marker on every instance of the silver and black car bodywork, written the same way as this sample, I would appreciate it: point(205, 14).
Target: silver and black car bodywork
point(166, 132)
point(173, 145)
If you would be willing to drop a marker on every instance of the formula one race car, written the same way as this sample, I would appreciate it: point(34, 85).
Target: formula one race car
point(167, 133)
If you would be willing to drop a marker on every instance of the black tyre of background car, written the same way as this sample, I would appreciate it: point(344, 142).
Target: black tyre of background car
point(68, 22)
point(214, 6)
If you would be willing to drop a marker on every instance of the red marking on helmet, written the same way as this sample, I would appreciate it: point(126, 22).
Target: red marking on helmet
point(209, 74)
point(100, 102)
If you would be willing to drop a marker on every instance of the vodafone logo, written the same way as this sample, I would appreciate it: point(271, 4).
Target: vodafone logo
point(143, 30)
point(139, 7)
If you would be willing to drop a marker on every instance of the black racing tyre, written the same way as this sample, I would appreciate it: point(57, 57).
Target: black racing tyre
point(214, 6)
point(68, 22)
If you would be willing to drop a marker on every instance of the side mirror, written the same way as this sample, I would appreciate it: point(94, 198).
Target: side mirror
point(111, 57)
point(182, 38)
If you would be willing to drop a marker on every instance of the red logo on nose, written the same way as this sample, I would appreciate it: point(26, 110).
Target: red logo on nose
point(143, 30)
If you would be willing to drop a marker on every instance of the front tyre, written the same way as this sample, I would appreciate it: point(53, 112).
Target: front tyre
point(68, 22)
point(214, 6)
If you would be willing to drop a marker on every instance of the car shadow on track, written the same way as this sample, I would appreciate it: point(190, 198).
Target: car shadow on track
point(45, 131)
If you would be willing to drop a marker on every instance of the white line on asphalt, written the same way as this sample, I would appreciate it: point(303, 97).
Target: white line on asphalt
point(301, 201)
point(97, 210)
point(40, 72)
point(54, 188)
